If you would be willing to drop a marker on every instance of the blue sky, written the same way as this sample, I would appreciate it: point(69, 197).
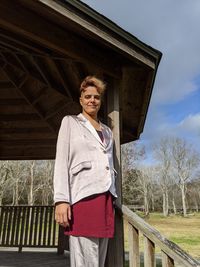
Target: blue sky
point(173, 28)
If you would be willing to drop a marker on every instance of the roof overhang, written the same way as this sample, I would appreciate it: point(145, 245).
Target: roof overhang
point(46, 48)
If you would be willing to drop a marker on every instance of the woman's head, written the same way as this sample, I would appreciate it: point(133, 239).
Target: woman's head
point(91, 91)
point(94, 82)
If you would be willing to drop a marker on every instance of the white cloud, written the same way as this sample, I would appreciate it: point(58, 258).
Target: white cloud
point(190, 124)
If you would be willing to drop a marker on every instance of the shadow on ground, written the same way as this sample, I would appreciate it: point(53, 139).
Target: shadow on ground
point(33, 259)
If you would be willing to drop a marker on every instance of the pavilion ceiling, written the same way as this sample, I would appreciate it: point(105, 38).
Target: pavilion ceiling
point(42, 62)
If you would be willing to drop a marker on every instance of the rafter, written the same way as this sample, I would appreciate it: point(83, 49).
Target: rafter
point(70, 44)
point(18, 85)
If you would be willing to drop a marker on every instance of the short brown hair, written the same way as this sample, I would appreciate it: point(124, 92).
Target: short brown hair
point(93, 81)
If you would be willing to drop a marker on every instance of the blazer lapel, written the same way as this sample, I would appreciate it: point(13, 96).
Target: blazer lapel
point(86, 123)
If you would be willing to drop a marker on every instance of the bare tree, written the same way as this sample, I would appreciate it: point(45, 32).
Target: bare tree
point(185, 164)
point(4, 175)
point(145, 186)
point(162, 152)
point(17, 171)
point(132, 153)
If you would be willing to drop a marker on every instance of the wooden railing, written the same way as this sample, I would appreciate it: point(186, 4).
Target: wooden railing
point(30, 226)
point(171, 253)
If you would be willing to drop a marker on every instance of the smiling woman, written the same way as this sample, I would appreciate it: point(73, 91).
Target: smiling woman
point(84, 179)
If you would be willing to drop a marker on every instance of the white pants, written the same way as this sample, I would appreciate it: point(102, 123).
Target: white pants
point(87, 251)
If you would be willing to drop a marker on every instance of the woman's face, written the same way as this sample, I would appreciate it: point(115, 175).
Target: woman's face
point(90, 100)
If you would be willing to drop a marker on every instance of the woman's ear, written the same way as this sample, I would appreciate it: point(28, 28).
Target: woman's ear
point(80, 101)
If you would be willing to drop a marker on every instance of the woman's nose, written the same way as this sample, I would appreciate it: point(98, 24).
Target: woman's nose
point(92, 98)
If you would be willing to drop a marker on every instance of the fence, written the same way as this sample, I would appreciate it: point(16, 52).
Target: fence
point(30, 226)
point(171, 253)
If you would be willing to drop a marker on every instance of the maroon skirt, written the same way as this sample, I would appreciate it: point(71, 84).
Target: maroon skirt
point(93, 217)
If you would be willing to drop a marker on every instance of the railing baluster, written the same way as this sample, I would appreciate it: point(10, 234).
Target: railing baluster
point(149, 253)
point(134, 253)
point(166, 260)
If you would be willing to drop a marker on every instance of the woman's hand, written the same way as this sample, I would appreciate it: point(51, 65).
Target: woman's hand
point(63, 214)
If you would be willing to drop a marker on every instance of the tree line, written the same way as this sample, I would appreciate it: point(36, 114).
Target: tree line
point(26, 182)
point(171, 183)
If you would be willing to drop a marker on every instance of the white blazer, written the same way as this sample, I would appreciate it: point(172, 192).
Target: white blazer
point(83, 164)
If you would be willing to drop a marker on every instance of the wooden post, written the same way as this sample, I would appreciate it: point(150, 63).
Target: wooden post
point(149, 253)
point(166, 260)
point(134, 253)
point(115, 256)
point(61, 241)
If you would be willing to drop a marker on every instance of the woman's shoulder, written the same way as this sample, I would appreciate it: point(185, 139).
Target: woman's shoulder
point(69, 118)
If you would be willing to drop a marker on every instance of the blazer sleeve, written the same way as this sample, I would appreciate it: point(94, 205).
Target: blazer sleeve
point(61, 175)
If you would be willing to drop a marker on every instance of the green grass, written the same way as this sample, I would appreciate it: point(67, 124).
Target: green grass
point(185, 232)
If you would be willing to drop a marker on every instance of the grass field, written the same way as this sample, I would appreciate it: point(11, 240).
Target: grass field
point(185, 232)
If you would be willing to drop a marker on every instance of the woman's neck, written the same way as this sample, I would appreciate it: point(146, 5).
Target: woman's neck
point(93, 120)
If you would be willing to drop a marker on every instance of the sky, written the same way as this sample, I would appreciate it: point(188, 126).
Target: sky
point(172, 27)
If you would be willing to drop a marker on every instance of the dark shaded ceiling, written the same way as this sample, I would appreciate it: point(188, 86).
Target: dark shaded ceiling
point(42, 62)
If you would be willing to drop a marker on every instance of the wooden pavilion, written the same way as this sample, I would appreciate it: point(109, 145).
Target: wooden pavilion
point(46, 48)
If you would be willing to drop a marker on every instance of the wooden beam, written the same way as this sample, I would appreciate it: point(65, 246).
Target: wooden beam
point(12, 41)
point(19, 117)
point(57, 66)
point(6, 84)
point(115, 257)
point(25, 130)
point(167, 261)
point(34, 27)
point(28, 142)
point(15, 123)
point(130, 51)
point(27, 153)
point(13, 77)
point(149, 253)
point(134, 253)
point(12, 101)
point(167, 246)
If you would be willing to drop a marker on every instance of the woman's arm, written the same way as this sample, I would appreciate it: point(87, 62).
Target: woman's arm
point(61, 176)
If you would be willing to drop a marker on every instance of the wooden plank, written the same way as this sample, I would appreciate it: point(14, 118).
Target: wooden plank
point(170, 248)
point(12, 102)
point(134, 253)
point(149, 253)
point(46, 225)
point(19, 117)
point(36, 142)
point(22, 226)
point(5, 222)
point(32, 219)
point(36, 226)
point(54, 240)
point(50, 213)
point(27, 225)
point(9, 225)
point(115, 256)
point(167, 261)
point(40, 229)
point(14, 226)
point(29, 124)
point(1, 220)
point(27, 152)
point(18, 221)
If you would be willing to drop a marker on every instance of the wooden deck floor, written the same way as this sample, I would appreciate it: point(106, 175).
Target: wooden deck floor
point(30, 258)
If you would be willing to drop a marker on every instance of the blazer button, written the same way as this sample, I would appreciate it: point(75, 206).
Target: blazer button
point(107, 168)
point(104, 151)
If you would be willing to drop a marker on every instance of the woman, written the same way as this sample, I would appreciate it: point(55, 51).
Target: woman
point(84, 179)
